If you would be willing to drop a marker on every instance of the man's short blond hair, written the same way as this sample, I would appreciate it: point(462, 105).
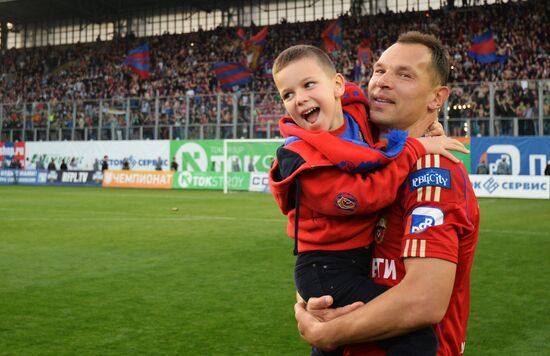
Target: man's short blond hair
point(297, 52)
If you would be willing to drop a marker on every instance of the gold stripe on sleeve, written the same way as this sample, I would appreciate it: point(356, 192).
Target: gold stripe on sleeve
point(406, 252)
point(428, 195)
point(419, 190)
point(422, 248)
point(413, 248)
point(437, 193)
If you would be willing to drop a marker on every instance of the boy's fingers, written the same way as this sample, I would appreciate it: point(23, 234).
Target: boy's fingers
point(450, 156)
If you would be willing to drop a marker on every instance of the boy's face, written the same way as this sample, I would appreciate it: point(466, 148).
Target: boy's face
point(310, 95)
point(401, 90)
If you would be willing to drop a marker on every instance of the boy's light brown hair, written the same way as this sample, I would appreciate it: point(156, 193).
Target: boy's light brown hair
point(297, 52)
point(440, 63)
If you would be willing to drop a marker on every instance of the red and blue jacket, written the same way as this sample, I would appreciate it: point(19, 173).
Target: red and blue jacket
point(328, 210)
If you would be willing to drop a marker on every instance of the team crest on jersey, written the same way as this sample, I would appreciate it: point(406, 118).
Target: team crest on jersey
point(380, 230)
point(347, 166)
point(346, 202)
point(434, 177)
point(423, 218)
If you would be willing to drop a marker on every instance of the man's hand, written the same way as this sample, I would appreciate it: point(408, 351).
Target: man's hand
point(320, 308)
point(311, 317)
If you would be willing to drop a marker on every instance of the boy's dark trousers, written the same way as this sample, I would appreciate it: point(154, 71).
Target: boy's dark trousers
point(345, 276)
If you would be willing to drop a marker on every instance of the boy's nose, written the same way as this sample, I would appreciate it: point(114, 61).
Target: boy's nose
point(301, 98)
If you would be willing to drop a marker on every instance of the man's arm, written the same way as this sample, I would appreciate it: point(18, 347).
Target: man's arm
point(420, 299)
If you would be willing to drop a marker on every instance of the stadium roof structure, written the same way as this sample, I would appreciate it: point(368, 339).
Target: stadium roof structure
point(19, 12)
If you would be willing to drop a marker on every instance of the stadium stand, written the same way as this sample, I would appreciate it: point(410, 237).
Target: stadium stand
point(84, 90)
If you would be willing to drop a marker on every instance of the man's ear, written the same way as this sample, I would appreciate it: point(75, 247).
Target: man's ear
point(339, 85)
point(441, 94)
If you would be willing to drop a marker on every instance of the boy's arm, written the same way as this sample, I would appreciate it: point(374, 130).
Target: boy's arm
point(333, 192)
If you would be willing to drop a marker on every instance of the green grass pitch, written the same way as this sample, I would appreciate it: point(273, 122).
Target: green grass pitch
point(89, 271)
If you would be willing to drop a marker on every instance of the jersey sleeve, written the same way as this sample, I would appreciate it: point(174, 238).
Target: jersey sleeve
point(437, 209)
point(333, 192)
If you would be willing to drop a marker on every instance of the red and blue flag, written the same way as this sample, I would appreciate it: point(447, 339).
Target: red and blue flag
point(254, 46)
point(332, 36)
point(268, 69)
point(232, 74)
point(241, 33)
point(364, 55)
point(139, 61)
point(484, 49)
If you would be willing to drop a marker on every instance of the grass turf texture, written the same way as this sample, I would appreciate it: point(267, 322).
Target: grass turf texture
point(110, 272)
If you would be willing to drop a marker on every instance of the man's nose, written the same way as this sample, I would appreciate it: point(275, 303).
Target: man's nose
point(384, 80)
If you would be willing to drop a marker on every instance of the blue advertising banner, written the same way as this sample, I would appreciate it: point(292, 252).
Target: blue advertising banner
point(23, 176)
point(82, 178)
point(44, 177)
point(524, 155)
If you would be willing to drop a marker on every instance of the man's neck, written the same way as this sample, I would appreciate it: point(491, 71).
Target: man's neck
point(418, 128)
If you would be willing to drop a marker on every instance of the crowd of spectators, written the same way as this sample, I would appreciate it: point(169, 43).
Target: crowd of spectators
point(181, 69)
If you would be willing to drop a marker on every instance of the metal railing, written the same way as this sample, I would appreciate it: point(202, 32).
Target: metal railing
point(514, 108)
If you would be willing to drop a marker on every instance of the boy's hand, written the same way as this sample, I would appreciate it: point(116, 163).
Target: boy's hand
point(442, 145)
point(435, 129)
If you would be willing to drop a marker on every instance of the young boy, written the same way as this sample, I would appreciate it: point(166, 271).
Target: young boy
point(331, 215)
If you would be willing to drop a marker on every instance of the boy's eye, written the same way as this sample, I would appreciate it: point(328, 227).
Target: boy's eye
point(309, 84)
point(287, 96)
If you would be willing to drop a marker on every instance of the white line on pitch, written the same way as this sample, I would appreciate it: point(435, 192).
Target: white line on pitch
point(157, 218)
point(516, 232)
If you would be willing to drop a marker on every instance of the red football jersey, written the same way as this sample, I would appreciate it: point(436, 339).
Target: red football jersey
point(436, 215)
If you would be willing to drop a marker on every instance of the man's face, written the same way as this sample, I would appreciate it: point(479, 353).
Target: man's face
point(310, 95)
point(401, 90)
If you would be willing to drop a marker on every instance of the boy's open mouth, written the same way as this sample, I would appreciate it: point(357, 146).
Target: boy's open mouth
point(310, 114)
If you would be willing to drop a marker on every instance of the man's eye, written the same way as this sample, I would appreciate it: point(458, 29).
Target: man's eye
point(405, 75)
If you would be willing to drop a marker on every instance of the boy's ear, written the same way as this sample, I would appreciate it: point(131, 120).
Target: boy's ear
point(339, 85)
point(441, 94)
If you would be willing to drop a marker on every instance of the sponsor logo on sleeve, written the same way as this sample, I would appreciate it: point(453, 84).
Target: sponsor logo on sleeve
point(423, 218)
point(346, 202)
point(430, 177)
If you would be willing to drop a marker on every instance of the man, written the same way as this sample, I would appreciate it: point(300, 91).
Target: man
point(503, 168)
point(482, 167)
point(426, 252)
point(158, 164)
point(96, 165)
point(125, 164)
point(174, 165)
point(105, 163)
point(51, 165)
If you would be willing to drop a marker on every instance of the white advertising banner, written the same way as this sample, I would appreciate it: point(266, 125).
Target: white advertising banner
point(504, 186)
point(141, 155)
point(259, 182)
